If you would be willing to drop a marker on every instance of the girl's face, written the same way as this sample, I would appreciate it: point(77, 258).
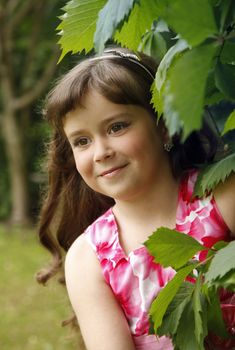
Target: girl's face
point(118, 149)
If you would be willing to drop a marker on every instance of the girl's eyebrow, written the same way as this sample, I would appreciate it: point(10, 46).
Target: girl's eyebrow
point(102, 123)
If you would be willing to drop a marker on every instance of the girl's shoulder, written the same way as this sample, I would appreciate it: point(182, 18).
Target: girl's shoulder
point(80, 264)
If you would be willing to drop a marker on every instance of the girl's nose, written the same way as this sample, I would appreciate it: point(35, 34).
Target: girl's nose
point(102, 150)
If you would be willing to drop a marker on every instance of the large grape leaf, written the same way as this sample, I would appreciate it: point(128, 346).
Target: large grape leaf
point(78, 25)
point(193, 20)
point(112, 14)
point(139, 21)
point(230, 123)
point(166, 295)
point(172, 248)
point(209, 178)
point(184, 89)
point(174, 311)
point(222, 263)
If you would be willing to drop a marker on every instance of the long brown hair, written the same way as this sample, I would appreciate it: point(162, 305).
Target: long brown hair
point(70, 205)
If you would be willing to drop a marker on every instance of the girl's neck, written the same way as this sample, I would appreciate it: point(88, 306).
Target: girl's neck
point(138, 219)
point(159, 204)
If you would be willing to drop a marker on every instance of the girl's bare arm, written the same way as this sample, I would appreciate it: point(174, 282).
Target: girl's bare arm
point(101, 320)
point(225, 199)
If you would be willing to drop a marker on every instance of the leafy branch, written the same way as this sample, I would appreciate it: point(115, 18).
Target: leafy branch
point(188, 309)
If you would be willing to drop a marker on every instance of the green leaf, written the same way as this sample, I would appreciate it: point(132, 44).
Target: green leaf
point(175, 309)
point(158, 87)
point(184, 90)
point(228, 52)
point(158, 47)
point(153, 44)
point(156, 101)
point(213, 95)
point(164, 65)
point(110, 17)
point(227, 282)
point(172, 248)
point(140, 20)
point(78, 25)
point(185, 338)
point(193, 20)
point(225, 79)
point(198, 312)
point(214, 314)
point(166, 295)
point(214, 98)
point(209, 178)
point(222, 263)
point(230, 123)
point(226, 8)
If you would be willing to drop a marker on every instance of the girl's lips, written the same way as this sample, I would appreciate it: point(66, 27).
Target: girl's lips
point(112, 171)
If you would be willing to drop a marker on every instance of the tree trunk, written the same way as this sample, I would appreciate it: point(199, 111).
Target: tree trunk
point(17, 169)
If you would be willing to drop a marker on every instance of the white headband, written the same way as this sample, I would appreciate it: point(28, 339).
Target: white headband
point(128, 56)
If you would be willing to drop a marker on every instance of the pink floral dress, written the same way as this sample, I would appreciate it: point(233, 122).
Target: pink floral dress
point(135, 279)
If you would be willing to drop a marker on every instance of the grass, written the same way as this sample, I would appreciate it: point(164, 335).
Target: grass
point(31, 314)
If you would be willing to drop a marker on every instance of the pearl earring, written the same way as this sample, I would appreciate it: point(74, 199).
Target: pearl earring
point(168, 146)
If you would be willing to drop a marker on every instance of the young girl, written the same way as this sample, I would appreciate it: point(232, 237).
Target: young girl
point(115, 177)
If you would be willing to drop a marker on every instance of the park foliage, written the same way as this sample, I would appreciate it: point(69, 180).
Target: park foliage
point(194, 43)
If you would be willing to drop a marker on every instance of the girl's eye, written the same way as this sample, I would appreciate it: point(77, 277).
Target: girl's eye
point(81, 142)
point(116, 127)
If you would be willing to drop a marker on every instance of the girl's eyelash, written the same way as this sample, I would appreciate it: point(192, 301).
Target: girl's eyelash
point(115, 127)
point(78, 143)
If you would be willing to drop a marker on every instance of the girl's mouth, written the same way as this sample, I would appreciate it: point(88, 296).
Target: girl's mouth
point(113, 171)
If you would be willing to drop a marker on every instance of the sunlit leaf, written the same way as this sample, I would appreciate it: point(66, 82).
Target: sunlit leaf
point(185, 89)
point(112, 14)
point(166, 295)
point(157, 100)
point(140, 20)
point(172, 248)
point(193, 20)
point(222, 263)
point(209, 178)
point(78, 25)
point(230, 123)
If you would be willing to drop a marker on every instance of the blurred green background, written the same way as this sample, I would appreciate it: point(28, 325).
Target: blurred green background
point(31, 314)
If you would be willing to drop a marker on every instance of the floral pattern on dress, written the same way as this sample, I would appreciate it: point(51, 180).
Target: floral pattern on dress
point(136, 279)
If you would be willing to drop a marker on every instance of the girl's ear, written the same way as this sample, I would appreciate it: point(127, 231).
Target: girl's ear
point(166, 139)
point(163, 130)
